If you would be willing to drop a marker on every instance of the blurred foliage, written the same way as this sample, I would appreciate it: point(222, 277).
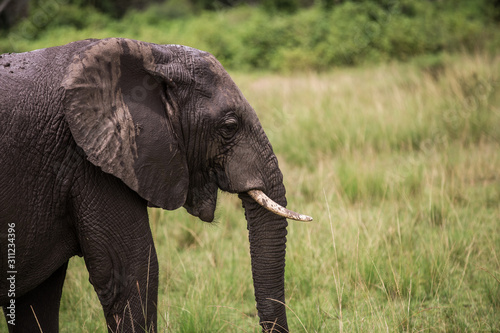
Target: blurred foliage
point(114, 8)
point(12, 11)
point(278, 35)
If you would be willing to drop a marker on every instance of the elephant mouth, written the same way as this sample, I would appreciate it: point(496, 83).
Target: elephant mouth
point(201, 202)
point(205, 209)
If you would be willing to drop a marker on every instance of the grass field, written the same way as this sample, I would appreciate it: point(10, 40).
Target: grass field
point(399, 165)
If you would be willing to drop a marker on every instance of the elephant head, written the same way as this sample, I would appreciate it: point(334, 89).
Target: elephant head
point(173, 126)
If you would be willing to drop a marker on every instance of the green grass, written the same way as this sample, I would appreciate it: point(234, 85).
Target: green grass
point(399, 164)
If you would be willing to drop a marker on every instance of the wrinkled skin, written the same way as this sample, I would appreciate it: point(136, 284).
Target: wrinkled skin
point(93, 132)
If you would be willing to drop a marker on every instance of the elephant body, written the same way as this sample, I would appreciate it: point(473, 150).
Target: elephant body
point(34, 194)
point(55, 186)
point(93, 132)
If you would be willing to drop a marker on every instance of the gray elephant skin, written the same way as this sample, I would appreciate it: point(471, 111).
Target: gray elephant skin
point(93, 132)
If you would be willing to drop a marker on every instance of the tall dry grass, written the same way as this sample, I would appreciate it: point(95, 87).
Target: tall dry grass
point(400, 166)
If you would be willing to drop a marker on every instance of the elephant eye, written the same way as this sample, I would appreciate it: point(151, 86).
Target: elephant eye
point(229, 128)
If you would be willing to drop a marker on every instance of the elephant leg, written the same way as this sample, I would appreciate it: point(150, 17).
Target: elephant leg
point(124, 273)
point(38, 310)
point(116, 242)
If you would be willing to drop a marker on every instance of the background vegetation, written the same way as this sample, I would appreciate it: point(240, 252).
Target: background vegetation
point(278, 35)
point(397, 158)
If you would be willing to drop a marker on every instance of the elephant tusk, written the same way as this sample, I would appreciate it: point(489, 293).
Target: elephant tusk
point(277, 209)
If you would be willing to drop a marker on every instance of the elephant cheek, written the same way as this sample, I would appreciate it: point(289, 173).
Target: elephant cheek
point(240, 177)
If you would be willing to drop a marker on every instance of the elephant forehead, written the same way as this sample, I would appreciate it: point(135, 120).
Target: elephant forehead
point(209, 76)
point(216, 78)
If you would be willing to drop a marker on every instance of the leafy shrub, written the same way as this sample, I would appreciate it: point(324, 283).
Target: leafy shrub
point(279, 39)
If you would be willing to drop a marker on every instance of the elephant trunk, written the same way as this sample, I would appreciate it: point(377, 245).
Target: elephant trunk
point(267, 236)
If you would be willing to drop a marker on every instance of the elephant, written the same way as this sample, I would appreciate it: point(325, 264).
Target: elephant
point(94, 132)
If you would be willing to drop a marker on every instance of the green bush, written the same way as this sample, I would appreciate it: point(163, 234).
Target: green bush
point(260, 37)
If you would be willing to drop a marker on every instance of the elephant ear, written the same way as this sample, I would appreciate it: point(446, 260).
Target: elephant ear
point(121, 112)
